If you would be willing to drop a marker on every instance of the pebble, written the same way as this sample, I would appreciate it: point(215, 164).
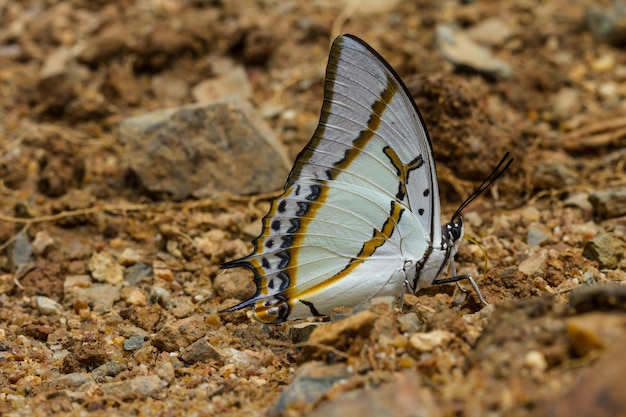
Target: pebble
point(199, 351)
point(565, 103)
point(409, 323)
point(252, 159)
point(110, 369)
point(105, 269)
point(165, 369)
point(100, 297)
point(47, 306)
point(606, 249)
point(609, 203)
point(553, 175)
point(608, 25)
point(22, 251)
point(300, 332)
point(536, 235)
point(404, 396)
point(133, 343)
point(131, 388)
point(134, 296)
point(490, 32)
point(129, 257)
point(43, 241)
point(7, 283)
point(137, 272)
point(535, 264)
point(234, 284)
point(231, 84)
point(341, 334)
point(311, 382)
point(179, 334)
point(161, 297)
point(458, 48)
point(427, 342)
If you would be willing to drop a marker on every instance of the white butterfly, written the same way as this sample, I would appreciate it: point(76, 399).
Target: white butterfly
point(360, 215)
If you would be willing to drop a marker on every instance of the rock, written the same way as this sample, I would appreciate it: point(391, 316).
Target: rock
point(22, 252)
point(458, 48)
point(166, 87)
point(311, 382)
point(300, 332)
point(110, 369)
point(580, 200)
point(179, 334)
point(405, 396)
point(7, 283)
point(490, 32)
point(606, 249)
point(100, 297)
point(233, 284)
point(598, 392)
point(552, 174)
point(47, 306)
point(608, 25)
point(129, 257)
point(409, 323)
point(38, 331)
point(203, 150)
point(595, 330)
point(134, 296)
point(427, 342)
point(165, 368)
point(90, 355)
point(535, 264)
point(340, 335)
point(161, 297)
point(609, 203)
point(600, 297)
point(565, 103)
point(74, 282)
point(42, 243)
point(132, 388)
point(536, 235)
point(135, 273)
point(134, 343)
point(105, 269)
point(230, 84)
point(199, 351)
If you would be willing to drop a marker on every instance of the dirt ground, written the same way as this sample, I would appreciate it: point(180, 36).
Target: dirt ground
point(109, 293)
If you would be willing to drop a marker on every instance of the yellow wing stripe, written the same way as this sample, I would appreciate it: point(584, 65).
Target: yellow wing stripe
point(368, 249)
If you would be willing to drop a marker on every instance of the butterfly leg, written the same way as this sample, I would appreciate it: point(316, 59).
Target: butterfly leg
point(456, 278)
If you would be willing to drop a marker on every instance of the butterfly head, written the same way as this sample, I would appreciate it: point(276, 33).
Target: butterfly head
point(454, 231)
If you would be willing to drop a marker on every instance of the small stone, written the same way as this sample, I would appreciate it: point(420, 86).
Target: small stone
point(179, 334)
point(134, 296)
point(7, 283)
point(535, 264)
point(161, 297)
point(565, 103)
point(199, 351)
point(580, 200)
point(165, 369)
point(134, 343)
point(341, 334)
point(130, 389)
point(129, 257)
point(609, 25)
point(536, 235)
point(38, 331)
point(458, 48)
point(137, 272)
point(609, 203)
point(227, 85)
point(22, 251)
point(311, 382)
point(74, 282)
point(110, 369)
point(104, 268)
point(233, 284)
point(48, 307)
point(536, 361)
point(490, 32)
point(606, 249)
point(594, 330)
point(552, 174)
point(409, 323)
point(100, 297)
point(300, 332)
point(427, 342)
point(42, 243)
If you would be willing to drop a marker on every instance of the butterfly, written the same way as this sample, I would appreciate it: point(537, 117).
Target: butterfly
point(360, 215)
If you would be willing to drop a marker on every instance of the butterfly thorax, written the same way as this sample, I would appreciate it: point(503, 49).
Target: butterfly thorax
point(437, 257)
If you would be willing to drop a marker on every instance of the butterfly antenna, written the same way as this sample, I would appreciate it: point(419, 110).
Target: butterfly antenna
point(496, 173)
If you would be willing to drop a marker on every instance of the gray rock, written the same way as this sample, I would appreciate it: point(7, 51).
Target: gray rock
point(110, 368)
point(161, 297)
point(552, 174)
point(608, 25)
point(100, 297)
point(47, 306)
point(134, 343)
point(203, 150)
point(606, 249)
point(300, 332)
point(132, 388)
point(312, 381)
point(536, 235)
point(609, 203)
point(22, 251)
point(199, 351)
point(458, 48)
point(135, 273)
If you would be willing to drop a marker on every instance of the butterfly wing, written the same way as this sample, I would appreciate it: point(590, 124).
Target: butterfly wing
point(360, 201)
